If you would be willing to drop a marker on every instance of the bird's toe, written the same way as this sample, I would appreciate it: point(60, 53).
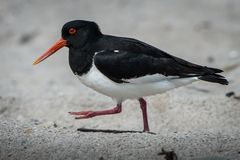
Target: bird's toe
point(89, 114)
point(79, 113)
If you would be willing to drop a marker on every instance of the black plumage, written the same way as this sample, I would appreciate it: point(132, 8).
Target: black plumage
point(108, 64)
point(122, 58)
point(126, 65)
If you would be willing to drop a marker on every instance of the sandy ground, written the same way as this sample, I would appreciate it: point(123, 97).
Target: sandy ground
point(196, 122)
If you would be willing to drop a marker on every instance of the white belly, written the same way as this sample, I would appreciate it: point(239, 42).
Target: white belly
point(122, 91)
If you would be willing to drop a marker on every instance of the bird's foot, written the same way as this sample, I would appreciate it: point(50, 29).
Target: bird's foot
point(146, 130)
point(90, 114)
point(79, 113)
point(83, 114)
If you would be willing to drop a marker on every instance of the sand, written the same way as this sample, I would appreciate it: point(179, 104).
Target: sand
point(196, 122)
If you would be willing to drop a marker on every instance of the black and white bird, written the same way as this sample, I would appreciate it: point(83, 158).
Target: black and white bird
point(124, 68)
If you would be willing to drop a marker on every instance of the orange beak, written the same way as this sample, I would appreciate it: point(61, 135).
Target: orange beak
point(58, 45)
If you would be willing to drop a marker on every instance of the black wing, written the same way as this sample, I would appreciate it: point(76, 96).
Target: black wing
point(121, 65)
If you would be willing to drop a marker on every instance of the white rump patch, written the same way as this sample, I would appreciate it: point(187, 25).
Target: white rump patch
point(150, 79)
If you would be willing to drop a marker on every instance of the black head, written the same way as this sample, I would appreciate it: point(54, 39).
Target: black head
point(79, 32)
point(75, 34)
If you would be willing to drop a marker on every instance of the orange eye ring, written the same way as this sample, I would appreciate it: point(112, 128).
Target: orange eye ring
point(72, 31)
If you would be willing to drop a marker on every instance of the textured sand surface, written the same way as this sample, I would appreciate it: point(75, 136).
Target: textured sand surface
point(194, 122)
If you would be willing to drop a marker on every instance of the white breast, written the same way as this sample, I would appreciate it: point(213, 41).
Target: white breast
point(140, 87)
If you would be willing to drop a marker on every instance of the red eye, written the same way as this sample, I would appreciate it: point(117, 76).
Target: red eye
point(72, 31)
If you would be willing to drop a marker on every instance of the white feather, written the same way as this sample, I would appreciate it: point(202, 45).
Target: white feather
point(149, 79)
point(145, 86)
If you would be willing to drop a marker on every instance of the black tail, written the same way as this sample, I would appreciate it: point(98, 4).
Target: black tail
point(202, 72)
point(215, 78)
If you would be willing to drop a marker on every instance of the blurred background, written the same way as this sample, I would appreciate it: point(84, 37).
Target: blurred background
point(38, 98)
point(205, 32)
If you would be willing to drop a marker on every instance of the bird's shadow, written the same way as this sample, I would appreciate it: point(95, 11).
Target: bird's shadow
point(111, 131)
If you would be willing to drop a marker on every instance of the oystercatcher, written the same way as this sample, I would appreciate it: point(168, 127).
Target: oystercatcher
point(124, 68)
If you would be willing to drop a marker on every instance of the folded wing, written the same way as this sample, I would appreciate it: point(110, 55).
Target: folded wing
point(125, 66)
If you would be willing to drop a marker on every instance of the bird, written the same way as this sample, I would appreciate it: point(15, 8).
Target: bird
point(124, 68)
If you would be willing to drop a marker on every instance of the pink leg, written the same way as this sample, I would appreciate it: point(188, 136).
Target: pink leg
point(90, 114)
point(143, 105)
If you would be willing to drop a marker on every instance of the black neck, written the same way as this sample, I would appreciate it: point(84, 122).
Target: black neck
point(80, 60)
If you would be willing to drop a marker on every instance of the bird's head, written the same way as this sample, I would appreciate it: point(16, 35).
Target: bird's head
point(75, 34)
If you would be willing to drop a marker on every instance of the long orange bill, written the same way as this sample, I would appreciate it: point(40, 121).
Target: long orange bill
point(58, 45)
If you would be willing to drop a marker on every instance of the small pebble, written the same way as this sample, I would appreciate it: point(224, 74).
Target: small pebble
point(55, 125)
point(101, 158)
point(230, 94)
